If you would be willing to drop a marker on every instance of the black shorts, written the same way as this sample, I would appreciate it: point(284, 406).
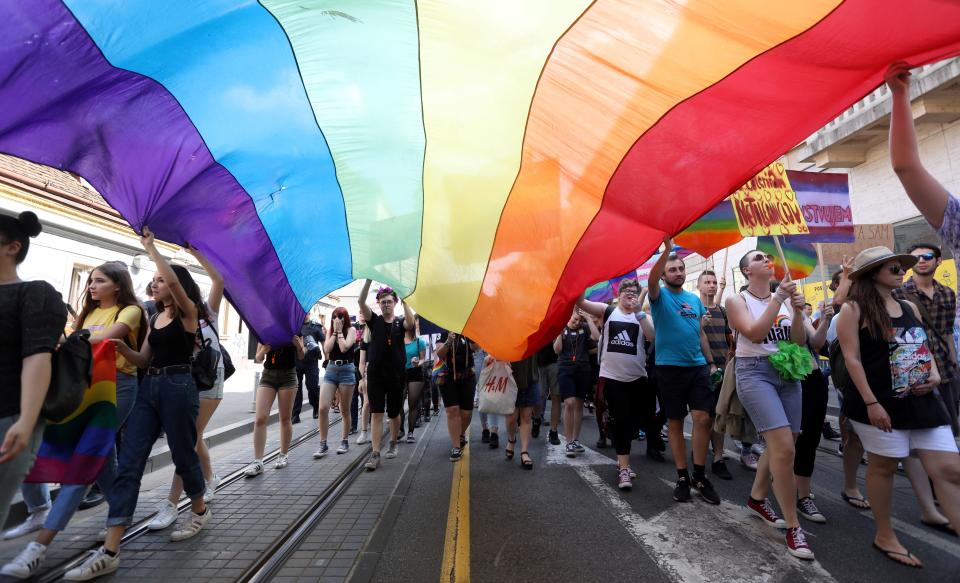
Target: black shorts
point(385, 390)
point(684, 388)
point(574, 381)
point(459, 393)
point(415, 374)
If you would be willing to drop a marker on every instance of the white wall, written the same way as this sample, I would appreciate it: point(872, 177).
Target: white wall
point(875, 193)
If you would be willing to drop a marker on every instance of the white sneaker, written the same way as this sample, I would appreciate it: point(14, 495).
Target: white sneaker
point(96, 564)
point(166, 515)
point(211, 490)
point(363, 437)
point(27, 562)
point(34, 522)
point(391, 451)
point(281, 462)
point(254, 469)
point(191, 526)
point(344, 447)
point(758, 449)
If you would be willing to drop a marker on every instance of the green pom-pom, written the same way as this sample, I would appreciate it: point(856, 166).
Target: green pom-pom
point(792, 362)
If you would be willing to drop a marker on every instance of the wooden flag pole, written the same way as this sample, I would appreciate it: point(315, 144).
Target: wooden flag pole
point(823, 273)
point(726, 255)
point(783, 258)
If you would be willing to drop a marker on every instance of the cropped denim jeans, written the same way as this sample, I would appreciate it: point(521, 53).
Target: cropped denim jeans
point(169, 403)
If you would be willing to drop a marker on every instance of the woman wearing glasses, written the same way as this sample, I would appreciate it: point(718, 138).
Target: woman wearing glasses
point(890, 399)
point(762, 320)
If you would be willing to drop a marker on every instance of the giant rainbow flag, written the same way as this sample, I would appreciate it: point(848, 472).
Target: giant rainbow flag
point(489, 160)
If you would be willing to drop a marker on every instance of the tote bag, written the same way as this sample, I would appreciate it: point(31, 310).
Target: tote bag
point(497, 389)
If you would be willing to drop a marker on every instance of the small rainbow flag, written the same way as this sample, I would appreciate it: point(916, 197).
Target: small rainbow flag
point(74, 450)
point(801, 257)
point(606, 291)
point(712, 232)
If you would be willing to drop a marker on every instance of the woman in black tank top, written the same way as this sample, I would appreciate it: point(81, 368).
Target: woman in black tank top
point(167, 401)
point(890, 400)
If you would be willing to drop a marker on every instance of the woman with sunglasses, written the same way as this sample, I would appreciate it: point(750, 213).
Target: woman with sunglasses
point(762, 319)
point(890, 400)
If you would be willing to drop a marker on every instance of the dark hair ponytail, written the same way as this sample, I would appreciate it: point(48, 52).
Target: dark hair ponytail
point(20, 229)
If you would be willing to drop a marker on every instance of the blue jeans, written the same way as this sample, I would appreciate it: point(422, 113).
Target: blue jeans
point(490, 420)
point(37, 496)
point(170, 403)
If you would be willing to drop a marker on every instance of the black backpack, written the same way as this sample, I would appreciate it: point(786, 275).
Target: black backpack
point(228, 368)
point(204, 363)
point(71, 375)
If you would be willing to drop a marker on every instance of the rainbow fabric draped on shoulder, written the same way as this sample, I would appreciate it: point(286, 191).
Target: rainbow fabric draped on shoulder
point(488, 160)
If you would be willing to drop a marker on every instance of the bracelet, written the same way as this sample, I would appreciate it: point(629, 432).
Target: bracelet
point(873, 403)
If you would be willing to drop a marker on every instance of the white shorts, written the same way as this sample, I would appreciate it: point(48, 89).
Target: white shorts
point(901, 442)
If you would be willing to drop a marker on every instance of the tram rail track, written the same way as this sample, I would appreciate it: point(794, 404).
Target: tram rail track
point(139, 529)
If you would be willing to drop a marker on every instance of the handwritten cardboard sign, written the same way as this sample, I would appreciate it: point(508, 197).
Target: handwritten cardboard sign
point(865, 236)
point(767, 205)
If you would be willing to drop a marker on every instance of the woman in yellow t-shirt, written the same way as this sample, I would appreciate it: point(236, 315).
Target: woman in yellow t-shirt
point(110, 309)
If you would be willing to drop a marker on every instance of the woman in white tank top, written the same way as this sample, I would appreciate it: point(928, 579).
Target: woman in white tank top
point(762, 319)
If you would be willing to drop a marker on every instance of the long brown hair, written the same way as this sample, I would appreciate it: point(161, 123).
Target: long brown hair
point(873, 312)
point(115, 271)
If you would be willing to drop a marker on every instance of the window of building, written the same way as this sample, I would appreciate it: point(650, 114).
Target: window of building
point(78, 283)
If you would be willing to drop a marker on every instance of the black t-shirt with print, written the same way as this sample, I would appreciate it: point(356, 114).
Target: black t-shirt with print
point(386, 350)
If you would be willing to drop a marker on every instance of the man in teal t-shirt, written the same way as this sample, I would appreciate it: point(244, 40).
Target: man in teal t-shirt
point(683, 367)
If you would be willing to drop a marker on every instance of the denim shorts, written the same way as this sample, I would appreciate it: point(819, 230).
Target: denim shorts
point(340, 374)
point(771, 401)
point(216, 391)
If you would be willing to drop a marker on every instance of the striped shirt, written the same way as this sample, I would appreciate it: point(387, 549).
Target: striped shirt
point(717, 333)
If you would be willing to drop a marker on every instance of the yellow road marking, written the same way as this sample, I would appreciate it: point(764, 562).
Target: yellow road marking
point(456, 546)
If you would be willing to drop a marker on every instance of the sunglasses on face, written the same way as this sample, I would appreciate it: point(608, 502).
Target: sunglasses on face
point(629, 296)
point(926, 256)
point(762, 257)
point(896, 269)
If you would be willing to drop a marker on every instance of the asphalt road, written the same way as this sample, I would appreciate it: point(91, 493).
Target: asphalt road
point(566, 521)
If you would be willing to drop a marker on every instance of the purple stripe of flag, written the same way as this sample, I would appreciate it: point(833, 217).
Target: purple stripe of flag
point(62, 104)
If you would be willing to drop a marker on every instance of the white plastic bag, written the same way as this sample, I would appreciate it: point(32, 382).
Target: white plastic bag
point(497, 389)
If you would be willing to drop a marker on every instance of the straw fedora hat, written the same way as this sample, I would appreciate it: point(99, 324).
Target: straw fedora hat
point(874, 256)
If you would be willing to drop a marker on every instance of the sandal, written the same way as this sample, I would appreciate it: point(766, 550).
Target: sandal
point(892, 555)
point(858, 502)
point(526, 464)
point(509, 450)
